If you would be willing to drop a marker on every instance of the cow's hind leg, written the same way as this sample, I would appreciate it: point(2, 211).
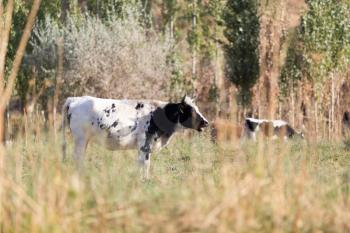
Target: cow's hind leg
point(80, 144)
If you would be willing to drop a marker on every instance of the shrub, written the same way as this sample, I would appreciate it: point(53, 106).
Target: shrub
point(119, 57)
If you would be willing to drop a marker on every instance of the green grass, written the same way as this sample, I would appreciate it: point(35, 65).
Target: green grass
point(195, 186)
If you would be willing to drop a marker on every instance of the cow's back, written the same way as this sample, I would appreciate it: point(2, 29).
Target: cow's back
point(114, 123)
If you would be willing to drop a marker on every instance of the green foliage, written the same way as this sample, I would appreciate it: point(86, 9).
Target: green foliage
point(102, 8)
point(201, 38)
point(21, 10)
point(321, 44)
point(242, 55)
point(325, 32)
point(169, 10)
point(49, 15)
point(208, 28)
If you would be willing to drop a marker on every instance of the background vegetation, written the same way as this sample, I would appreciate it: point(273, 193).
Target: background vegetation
point(286, 59)
point(225, 52)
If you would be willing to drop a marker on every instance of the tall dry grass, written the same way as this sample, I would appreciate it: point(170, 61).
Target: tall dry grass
point(195, 186)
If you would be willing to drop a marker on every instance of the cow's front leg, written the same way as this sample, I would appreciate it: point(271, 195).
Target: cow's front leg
point(145, 159)
point(145, 147)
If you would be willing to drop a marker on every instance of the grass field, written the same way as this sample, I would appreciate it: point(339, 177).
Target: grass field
point(195, 186)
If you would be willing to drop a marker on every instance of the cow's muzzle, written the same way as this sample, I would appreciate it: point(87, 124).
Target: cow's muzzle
point(202, 125)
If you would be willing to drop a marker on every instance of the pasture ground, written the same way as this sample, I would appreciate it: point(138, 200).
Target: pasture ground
point(195, 186)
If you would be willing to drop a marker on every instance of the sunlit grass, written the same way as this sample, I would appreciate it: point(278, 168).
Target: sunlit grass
point(195, 186)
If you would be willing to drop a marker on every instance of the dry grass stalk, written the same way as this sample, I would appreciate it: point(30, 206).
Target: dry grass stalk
point(264, 187)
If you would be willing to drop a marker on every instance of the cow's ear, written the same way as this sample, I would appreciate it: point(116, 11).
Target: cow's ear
point(182, 104)
point(181, 108)
point(183, 99)
point(194, 99)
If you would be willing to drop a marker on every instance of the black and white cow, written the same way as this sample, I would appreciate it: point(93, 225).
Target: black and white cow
point(269, 128)
point(145, 125)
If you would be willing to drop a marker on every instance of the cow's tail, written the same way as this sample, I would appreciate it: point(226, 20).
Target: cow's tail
point(65, 109)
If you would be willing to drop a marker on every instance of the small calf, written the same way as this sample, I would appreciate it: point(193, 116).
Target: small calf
point(269, 128)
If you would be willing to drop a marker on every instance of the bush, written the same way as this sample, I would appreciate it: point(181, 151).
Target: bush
point(116, 58)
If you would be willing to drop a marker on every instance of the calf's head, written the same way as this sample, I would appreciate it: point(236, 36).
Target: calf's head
point(190, 116)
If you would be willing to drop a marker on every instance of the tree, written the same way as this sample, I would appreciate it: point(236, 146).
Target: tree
point(6, 88)
point(320, 54)
point(241, 50)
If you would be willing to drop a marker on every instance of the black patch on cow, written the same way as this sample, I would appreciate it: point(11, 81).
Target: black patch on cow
point(146, 148)
point(69, 116)
point(290, 131)
point(107, 112)
point(102, 126)
point(164, 120)
point(133, 128)
point(139, 105)
point(114, 124)
point(163, 123)
point(113, 106)
point(92, 123)
point(186, 113)
point(251, 125)
point(285, 130)
point(189, 118)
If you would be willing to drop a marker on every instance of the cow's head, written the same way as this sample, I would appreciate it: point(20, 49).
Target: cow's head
point(189, 115)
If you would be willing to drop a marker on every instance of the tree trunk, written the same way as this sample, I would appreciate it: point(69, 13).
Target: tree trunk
point(64, 9)
point(171, 27)
point(293, 106)
point(332, 105)
point(2, 125)
point(194, 47)
point(316, 119)
point(6, 92)
point(216, 69)
point(59, 70)
point(5, 28)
